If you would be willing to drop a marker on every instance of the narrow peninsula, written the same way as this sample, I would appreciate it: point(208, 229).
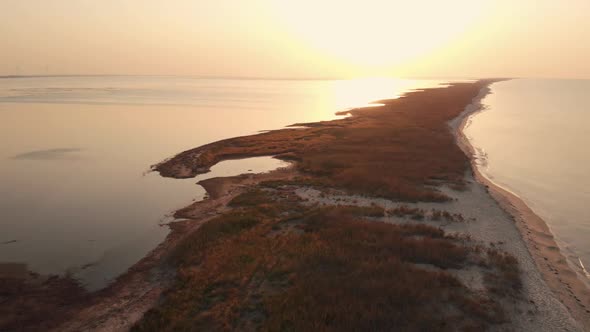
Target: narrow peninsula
point(378, 224)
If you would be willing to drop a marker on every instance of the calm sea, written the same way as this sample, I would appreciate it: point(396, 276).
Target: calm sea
point(74, 151)
point(533, 139)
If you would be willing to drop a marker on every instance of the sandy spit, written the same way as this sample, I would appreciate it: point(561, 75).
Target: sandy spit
point(554, 297)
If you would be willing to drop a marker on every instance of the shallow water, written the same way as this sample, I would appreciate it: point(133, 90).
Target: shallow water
point(75, 196)
point(532, 139)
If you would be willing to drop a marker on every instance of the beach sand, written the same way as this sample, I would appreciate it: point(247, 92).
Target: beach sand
point(535, 233)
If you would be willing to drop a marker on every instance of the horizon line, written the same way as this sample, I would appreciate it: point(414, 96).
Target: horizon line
point(277, 78)
point(282, 78)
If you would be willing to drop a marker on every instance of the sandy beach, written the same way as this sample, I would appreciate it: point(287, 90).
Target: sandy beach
point(499, 263)
point(550, 262)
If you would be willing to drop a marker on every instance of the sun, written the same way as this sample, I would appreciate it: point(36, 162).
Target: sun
point(376, 33)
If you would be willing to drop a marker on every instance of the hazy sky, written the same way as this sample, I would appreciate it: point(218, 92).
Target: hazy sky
point(297, 38)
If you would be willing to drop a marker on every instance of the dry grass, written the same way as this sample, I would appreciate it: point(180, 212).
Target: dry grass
point(37, 303)
point(338, 273)
point(437, 215)
point(374, 211)
point(504, 278)
point(397, 150)
point(404, 211)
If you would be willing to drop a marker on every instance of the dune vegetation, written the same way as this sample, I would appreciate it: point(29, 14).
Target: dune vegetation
point(274, 265)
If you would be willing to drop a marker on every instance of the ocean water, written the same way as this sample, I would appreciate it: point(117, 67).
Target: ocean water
point(533, 139)
point(76, 196)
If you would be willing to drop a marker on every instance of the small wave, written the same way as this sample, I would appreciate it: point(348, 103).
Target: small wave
point(481, 158)
point(584, 269)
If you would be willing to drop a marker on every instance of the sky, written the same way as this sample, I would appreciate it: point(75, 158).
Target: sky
point(297, 39)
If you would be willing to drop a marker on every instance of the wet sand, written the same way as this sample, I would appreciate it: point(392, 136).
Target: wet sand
point(541, 244)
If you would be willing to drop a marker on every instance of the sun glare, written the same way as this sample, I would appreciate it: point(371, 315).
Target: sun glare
point(365, 92)
point(377, 33)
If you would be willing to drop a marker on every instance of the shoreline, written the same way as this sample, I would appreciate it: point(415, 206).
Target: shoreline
point(124, 302)
point(534, 231)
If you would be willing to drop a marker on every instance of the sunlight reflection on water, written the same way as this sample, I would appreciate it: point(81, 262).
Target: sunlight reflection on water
point(75, 148)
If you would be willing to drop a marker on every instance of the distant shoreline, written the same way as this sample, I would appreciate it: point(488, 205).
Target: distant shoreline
point(535, 232)
point(244, 78)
